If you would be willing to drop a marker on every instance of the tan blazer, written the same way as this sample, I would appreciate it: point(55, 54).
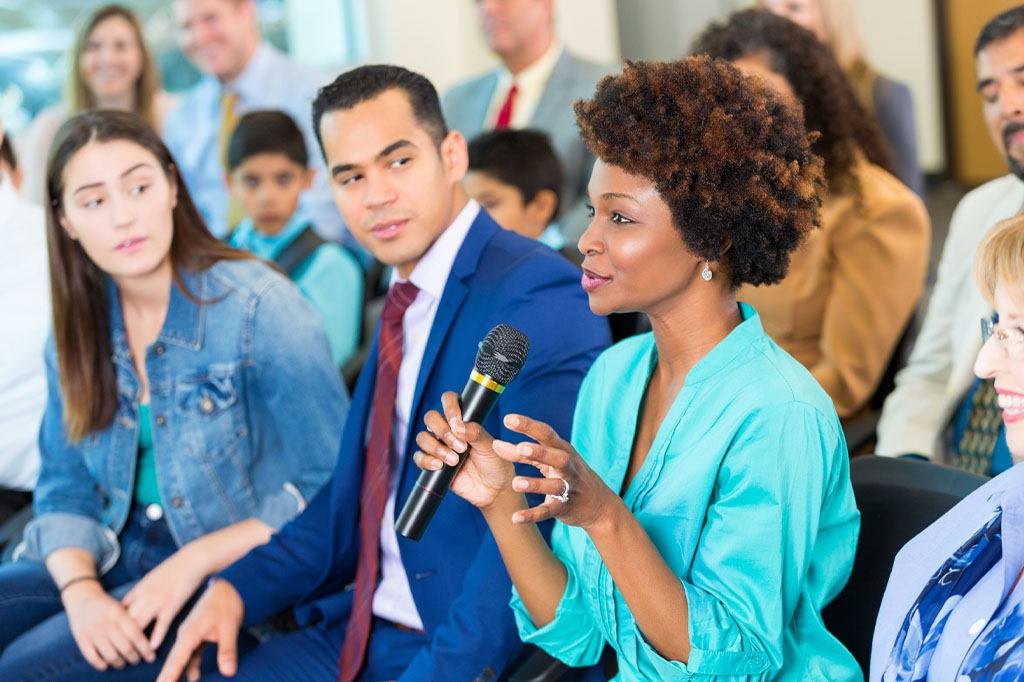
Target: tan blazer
point(851, 288)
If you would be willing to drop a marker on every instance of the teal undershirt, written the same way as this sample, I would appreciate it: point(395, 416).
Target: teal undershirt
point(146, 489)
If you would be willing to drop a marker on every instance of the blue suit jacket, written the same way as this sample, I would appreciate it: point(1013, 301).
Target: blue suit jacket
point(457, 577)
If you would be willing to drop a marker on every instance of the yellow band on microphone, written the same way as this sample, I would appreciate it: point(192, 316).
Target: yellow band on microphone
point(486, 382)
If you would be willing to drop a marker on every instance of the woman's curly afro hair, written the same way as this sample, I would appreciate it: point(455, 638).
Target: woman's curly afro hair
point(731, 160)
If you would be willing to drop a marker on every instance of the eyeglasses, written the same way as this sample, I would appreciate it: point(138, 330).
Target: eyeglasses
point(1010, 339)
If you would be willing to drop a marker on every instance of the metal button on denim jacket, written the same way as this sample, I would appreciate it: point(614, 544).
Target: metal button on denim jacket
point(247, 410)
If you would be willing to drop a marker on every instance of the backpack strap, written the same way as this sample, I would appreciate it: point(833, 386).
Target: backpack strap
point(298, 251)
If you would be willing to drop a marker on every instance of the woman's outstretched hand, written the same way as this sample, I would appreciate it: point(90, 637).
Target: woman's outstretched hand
point(484, 475)
point(589, 502)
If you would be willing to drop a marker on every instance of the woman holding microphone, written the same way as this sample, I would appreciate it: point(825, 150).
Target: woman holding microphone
point(703, 508)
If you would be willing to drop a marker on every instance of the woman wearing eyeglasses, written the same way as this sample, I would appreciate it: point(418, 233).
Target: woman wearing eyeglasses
point(954, 606)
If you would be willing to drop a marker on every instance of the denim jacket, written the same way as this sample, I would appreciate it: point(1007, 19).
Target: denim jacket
point(247, 410)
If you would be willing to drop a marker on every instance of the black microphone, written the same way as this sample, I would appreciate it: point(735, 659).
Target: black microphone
point(499, 358)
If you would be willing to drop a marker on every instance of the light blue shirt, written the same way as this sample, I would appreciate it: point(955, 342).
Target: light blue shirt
point(271, 80)
point(331, 279)
point(746, 494)
point(993, 597)
point(552, 236)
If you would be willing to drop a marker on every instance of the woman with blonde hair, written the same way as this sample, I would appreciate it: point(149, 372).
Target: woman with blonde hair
point(835, 23)
point(112, 67)
point(954, 606)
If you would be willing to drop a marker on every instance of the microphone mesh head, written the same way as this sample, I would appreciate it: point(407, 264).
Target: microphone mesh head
point(502, 354)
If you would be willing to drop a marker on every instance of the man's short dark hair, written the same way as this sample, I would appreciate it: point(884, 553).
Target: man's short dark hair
point(364, 83)
point(266, 132)
point(1000, 27)
point(7, 153)
point(523, 159)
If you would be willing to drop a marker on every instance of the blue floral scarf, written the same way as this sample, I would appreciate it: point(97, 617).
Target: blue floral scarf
point(998, 656)
point(915, 645)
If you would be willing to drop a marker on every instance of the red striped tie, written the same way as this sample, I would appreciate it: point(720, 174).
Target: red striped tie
point(376, 475)
point(505, 113)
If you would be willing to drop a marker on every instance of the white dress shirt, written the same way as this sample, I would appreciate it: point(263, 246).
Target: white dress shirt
point(530, 82)
point(25, 311)
point(393, 599)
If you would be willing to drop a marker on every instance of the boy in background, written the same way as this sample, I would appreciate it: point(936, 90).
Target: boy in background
point(268, 169)
point(517, 177)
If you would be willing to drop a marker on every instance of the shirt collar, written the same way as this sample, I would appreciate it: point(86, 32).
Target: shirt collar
point(535, 75)
point(251, 80)
point(432, 270)
point(552, 236)
point(269, 246)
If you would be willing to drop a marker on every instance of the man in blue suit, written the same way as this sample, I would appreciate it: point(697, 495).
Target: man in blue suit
point(388, 607)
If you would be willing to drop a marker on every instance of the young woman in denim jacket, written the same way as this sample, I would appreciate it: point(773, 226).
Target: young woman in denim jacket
point(193, 409)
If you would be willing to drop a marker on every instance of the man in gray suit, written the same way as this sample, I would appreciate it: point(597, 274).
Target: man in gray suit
point(535, 87)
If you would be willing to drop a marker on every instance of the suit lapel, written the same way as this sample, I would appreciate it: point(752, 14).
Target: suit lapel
point(455, 292)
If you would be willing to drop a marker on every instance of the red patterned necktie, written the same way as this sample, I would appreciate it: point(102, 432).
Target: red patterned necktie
point(505, 113)
point(376, 474)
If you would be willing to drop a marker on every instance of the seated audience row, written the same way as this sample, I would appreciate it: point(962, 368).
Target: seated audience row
point(174, 444)
point(382, 127)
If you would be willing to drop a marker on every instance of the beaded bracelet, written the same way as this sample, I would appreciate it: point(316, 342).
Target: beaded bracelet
point(76, 580)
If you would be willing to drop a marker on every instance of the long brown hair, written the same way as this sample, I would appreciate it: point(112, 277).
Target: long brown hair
point(81, 316)
point(831, 106)
point(146, 86)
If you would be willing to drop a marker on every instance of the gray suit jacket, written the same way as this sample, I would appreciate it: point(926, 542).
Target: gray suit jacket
point(465, 108)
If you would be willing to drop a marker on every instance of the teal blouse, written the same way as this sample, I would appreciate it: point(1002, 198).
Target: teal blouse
point(331, 279)
point(745, 492)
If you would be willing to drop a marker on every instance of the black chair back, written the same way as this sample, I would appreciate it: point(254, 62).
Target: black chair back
point(897, 498)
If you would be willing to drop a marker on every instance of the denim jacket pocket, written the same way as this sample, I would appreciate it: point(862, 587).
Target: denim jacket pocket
point(211, 414)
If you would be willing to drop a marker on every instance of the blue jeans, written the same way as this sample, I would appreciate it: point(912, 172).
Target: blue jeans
point(35, 640)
